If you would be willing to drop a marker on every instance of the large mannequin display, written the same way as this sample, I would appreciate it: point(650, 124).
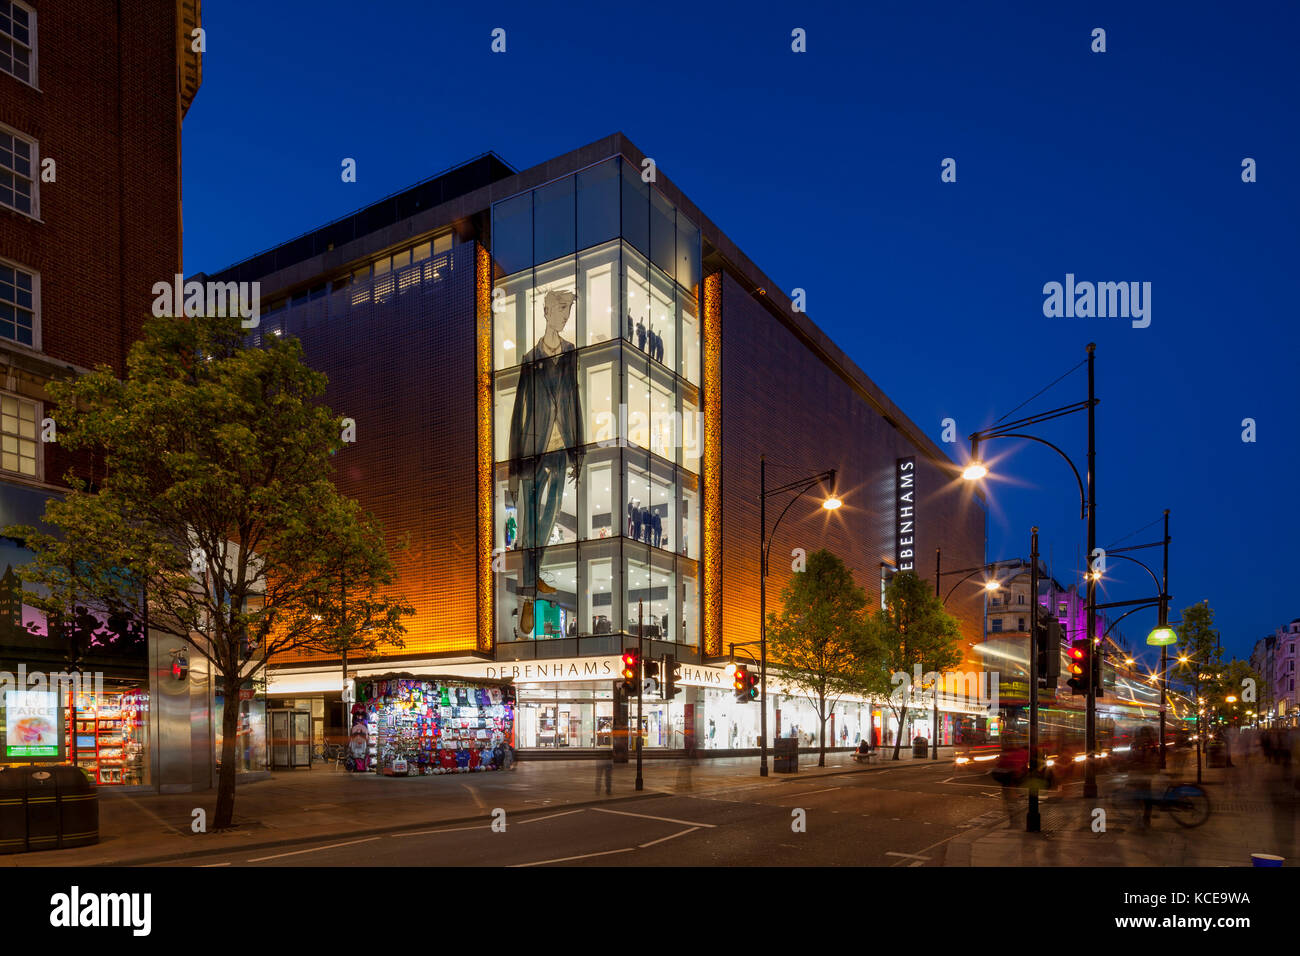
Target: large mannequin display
point(546, 438)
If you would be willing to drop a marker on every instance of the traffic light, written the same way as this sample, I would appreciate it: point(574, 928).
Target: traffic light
point(1080, 661)
point(631, 673)
point(1047, 643)
point(1096, 672)
point(740, 684)
point(753, 686)
point(672, 674)
point(650, 671)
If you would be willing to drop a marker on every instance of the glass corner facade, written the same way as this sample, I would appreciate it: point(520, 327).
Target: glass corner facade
point(597, 425)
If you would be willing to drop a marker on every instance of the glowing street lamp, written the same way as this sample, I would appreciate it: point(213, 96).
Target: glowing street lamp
point(1164, 634)
point(975, 471)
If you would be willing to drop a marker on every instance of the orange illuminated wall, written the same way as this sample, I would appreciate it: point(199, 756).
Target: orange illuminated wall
point(407, 369)
point(781, 399)
point(711, 515)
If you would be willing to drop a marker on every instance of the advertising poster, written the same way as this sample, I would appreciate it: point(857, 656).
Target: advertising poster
point(32, 719)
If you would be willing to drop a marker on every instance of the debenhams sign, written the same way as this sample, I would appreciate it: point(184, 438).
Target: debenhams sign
point(589, 668)
point(905, 514)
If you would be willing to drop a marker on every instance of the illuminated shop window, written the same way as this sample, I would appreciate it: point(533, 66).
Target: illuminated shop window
point(634, 508)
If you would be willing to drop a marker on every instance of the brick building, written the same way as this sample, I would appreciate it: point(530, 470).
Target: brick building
point(92, 97)
point(562, 381)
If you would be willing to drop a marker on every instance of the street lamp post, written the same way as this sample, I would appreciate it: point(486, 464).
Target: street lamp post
point(830, 504)
point(1088, 506)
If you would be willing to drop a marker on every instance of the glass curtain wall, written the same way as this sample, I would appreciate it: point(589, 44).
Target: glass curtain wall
point(596, 420)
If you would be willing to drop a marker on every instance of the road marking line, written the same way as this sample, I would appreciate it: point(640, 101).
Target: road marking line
point(551, 816)
point(807, 792)
point(916, 863)
point(474, 794)
point(482, 826)
point(314, 849)
point(646, 816)
point(673, 837)
point(565, 859)
point(933, 845)
point(204, 866)
point(914, 856)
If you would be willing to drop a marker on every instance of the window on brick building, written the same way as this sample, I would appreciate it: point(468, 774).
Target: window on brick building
point(18, 161)
point(18, 40)
point(18, 442)
point(997, 625)
point(18, 313)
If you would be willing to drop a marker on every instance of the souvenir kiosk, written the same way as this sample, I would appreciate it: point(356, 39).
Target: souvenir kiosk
point(409, 725)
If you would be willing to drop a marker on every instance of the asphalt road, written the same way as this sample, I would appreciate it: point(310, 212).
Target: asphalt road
point(898, 816)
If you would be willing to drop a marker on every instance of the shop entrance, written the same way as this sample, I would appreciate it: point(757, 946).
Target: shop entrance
point(290, 739)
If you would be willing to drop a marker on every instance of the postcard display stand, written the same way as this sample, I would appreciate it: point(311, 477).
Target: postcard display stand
point(108, 737)
point(426, 725)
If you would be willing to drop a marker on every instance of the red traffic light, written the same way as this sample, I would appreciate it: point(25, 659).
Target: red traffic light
point(753, 687)
point(741, 680)
point(629, 665)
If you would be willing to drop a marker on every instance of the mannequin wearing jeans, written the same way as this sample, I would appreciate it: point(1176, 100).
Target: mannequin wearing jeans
point(546, 439)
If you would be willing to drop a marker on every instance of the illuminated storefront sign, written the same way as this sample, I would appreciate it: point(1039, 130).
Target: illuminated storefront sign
point(604, 668)
point(32, 725)
point(905, 514)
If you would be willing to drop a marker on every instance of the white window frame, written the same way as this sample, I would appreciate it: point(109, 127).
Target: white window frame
point(40, 447)
point(32, 46)
point(36, 172)
point(36, 345)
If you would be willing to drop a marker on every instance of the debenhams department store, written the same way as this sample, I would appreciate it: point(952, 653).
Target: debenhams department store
point(562, 380)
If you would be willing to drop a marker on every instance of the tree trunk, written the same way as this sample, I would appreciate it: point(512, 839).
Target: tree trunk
point(229, 744)
point(898, 737)
point(821, 734)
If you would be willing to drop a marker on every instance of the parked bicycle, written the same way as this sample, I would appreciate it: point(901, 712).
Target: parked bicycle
point(329, 753)
point(1187, 804)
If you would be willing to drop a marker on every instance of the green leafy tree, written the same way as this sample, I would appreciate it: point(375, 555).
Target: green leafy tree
point(912, 630)
point(1237, 692)
point(215, 501)
point(820, 637)
point(1200, 657)
point(353, 623)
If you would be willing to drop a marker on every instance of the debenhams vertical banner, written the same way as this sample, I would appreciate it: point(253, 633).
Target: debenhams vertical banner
point(905, 514)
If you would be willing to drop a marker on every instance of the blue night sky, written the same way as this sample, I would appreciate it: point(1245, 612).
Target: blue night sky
point(825, 168)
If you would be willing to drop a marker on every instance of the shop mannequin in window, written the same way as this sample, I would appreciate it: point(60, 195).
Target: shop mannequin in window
point(640, 335)
point(546, 439)
point(636, 518)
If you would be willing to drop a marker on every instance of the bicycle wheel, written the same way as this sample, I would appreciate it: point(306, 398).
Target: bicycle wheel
point(1188, 804)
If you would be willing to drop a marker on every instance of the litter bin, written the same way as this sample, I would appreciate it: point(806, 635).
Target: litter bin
point(1216, 754)
point(920, 747)
point(47, 808)
point(785, 753)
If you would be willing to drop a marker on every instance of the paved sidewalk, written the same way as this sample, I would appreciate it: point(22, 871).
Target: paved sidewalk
point(1254, 810)
point(324, 803)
